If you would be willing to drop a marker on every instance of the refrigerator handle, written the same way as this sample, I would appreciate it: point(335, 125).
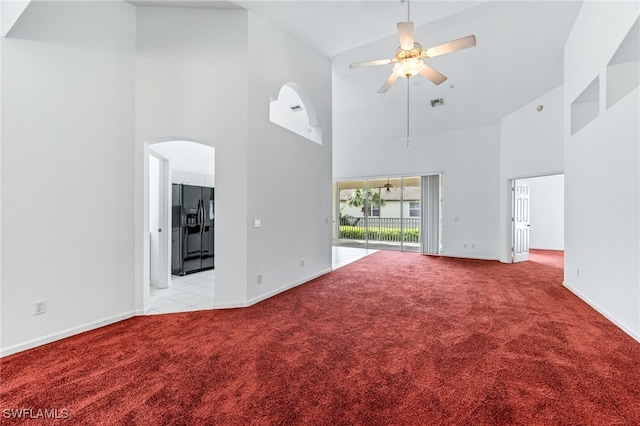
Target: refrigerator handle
point(201, 216)
point(204, 221)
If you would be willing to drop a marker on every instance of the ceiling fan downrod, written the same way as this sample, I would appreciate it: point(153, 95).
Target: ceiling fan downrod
point(408, 113)
point(408, 86)
point(408, 9)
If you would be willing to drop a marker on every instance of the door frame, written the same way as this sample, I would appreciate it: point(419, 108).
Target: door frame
point(142, 294)
point(508, 224)
point(423, 207)
point(515, 210)
point(164, 222)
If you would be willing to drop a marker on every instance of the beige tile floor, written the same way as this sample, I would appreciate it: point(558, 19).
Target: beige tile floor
point(196, 291)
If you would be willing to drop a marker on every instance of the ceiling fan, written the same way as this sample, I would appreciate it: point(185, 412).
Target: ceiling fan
point(409, 57)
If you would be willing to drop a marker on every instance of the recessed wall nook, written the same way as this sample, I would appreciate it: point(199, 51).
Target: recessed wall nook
point(294, 111)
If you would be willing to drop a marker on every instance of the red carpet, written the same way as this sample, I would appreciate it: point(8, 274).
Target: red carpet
point(393, 339)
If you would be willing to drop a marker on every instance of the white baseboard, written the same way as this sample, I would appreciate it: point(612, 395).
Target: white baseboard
point(23, 346)
point(466, 256)
point(272, 293)
point(601, 311)
point(260, 298)
point(9, 350)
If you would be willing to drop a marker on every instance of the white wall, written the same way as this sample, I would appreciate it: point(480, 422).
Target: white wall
point(532, 141)
point(184, 91)
point(469, 160)
point(476, 163)
point(68, 84)
point(470, 164)
point(10, 13)
point(106, 80)
point(546, 212)
point(289, 176)
point(531, 144)
point(602, 179)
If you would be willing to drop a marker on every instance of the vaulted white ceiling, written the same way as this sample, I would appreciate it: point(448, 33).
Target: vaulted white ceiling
point(518, 57)
point(332, 27)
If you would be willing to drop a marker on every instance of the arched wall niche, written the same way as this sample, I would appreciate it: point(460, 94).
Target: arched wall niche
point(294, 111)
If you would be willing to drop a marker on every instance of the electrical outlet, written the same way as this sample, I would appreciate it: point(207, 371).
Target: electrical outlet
point(39, 307)
point(302, 263)
point(259, 278)
point(466, 245)
point(578, 272)
point(473, 245)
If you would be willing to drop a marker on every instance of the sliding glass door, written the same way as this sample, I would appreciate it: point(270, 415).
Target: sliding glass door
point(382, 213)
point(353, 214)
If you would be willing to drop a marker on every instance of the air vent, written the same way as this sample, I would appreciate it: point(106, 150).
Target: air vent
point(437, 102)
point(296, 108)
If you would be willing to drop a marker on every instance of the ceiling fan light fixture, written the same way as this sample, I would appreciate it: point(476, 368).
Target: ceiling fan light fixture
point(408, 67)
point(388, 186)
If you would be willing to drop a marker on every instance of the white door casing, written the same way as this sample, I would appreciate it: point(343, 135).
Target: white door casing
point(159, 230)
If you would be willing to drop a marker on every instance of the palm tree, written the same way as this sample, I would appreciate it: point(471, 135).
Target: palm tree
point(365, 199)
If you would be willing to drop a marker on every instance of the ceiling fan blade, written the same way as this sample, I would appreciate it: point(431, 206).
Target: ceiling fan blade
point(432, 75)
point(405, 32)
point(392, 78)
point(451, 46)
point(370, 63)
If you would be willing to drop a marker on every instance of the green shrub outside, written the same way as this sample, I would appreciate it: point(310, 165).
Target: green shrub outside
point(411, 235)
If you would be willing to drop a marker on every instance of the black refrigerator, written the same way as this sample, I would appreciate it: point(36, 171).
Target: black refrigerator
point(192, 217)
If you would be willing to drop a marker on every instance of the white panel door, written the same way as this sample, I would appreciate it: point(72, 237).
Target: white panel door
point(520, 221)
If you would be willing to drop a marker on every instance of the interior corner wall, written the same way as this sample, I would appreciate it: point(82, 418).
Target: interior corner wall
point(602, 179)
point(191, 84)
point(289, 183)
point(67, 116)
point(531, 144)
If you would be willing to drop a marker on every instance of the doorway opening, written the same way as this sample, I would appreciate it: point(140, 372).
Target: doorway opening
point(389, 213)
point(179, 237)
point(537, 215)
